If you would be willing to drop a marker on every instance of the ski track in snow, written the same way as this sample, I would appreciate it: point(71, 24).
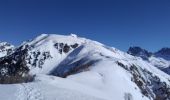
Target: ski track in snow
point(29, 92)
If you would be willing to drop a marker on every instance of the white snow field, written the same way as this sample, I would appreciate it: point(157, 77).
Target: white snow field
point(50, 88)
point(101, 78)
point(55, 88)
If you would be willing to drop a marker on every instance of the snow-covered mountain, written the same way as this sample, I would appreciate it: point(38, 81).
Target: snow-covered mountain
point(5, 49)
point(160, 59)
point(75, 68)
point(163, 53)
point(137, 51)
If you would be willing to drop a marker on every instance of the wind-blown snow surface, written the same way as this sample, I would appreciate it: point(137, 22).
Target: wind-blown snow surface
point(90, 71)
point(55, 88)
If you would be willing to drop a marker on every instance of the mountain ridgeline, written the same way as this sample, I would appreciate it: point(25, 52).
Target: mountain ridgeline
point(134, 78)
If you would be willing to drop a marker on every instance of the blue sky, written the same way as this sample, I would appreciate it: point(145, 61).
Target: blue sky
point(117, 23)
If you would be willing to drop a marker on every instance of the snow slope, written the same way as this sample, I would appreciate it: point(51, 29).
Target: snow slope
point(74, 68)
point(54, 89)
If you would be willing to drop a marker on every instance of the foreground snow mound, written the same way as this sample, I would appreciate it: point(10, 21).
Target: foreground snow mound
point(88, 69)
point(50, 88)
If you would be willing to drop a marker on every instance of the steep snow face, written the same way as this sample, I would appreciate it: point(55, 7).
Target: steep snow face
point(103, 72)
point(42, 54)
point(48, 51)
point(5, 49)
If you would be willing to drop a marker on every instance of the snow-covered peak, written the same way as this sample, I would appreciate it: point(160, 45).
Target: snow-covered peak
point(69, 39)
point(5, 44)
point(164, 51)
point(51, 39)
point(137, 51)
point(73, 35)
point(5, 48)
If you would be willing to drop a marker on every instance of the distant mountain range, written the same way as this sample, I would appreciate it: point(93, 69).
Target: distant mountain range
point(68, 67)
point(160, 59)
